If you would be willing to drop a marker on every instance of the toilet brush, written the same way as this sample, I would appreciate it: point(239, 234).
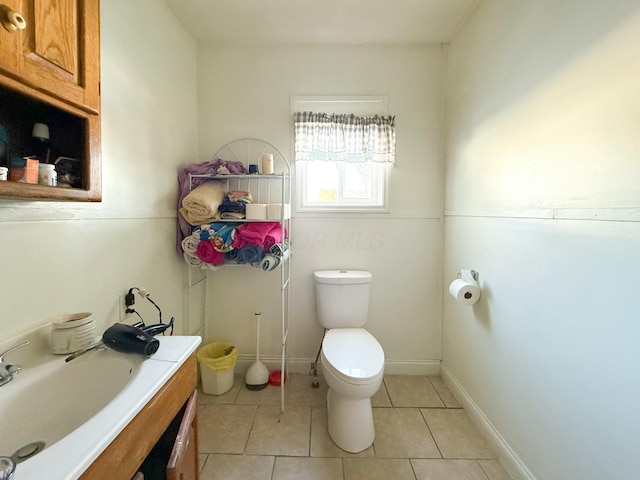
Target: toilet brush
point(257, 376)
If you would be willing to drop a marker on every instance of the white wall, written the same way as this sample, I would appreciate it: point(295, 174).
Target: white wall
point(67, 257)
point(244, 91)
point(542, 199)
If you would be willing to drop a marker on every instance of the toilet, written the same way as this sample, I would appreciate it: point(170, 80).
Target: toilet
point(352, 359)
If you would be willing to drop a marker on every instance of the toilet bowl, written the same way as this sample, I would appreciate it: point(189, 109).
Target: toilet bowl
point(352, 359)
point(353, 366)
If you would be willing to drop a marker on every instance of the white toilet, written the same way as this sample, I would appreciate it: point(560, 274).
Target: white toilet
point(352, 359)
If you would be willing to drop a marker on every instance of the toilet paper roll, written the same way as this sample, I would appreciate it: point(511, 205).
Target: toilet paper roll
point(275, 211)
point(256, 211)
point(465, 293)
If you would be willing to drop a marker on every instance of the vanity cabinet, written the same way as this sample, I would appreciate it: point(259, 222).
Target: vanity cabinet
point(183, 463)
point(175, 403)
point(50, 73)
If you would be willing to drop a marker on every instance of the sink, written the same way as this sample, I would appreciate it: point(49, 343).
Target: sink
point(60, 416)
point(44, 404)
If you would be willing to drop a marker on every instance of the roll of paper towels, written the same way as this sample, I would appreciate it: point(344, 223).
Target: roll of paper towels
point(465, 292)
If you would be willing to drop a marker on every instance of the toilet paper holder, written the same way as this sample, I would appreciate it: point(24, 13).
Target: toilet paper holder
point(475, 275)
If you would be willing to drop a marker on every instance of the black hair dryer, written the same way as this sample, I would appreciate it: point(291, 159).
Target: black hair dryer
point(129, 339)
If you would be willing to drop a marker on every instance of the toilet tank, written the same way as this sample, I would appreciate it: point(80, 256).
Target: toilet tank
point(342, 298)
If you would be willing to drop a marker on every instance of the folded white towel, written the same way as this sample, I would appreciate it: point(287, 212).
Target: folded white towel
point(231, 216)
point(192, 259)
point(201, 204)
point(190, 244)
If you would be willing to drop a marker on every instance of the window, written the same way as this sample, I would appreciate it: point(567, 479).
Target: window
point(343, 158)
point(329, 185)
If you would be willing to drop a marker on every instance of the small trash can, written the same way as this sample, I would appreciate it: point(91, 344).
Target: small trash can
point(217, 367)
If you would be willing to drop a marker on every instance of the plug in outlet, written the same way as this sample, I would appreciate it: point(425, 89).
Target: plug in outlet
point(123, 315)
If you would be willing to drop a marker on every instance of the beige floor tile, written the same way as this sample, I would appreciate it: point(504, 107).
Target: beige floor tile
point(456, 435)
point(402, 433)
point(494, 470)
point(238, 467)
point(321, 443)
point(445, 394)
point(299, 392)
point(269, 395)
point(381, 397)
point(447, 470)
point(228, 397)
point(225, 428)
point(202, 459)
point(377, 469)
point(412, 391)
point(295, 468)
point(274, 433)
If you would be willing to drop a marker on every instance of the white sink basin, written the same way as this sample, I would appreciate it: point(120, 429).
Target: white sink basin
point(46, 403)
point(77, 408)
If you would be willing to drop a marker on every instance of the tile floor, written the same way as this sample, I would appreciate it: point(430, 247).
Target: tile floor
point(422, 433)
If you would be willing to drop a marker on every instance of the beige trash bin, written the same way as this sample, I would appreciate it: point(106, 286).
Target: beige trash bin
point(217, 367)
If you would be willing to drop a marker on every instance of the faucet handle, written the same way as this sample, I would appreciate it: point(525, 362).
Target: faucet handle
point(7, 468)
point(11, 350)
point(12, 369)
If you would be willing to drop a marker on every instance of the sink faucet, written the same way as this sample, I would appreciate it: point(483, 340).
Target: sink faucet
point(8, 370)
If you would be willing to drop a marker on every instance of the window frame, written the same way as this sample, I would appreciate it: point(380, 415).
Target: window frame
point(358, 105)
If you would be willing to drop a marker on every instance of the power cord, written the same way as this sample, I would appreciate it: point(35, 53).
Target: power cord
point(130, 300)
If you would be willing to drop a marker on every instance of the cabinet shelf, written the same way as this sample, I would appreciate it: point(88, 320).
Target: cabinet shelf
point(271, 176)
point(248, 220)
point(249, 151)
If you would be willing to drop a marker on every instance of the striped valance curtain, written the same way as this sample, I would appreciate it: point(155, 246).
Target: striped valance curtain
point(350, 138)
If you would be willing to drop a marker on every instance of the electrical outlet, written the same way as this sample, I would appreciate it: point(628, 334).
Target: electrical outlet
point(123, 316)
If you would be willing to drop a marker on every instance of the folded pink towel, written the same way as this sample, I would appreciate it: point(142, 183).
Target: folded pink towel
point(274, 236)
point(207, 253)
point(238, 195)
point(253, 234)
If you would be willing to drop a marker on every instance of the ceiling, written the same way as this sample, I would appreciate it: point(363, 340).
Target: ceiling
point(213, 22)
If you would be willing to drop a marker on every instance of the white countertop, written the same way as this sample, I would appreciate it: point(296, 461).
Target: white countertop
point(73, 454)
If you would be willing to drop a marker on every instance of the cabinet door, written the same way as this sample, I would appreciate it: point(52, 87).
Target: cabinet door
point(61, 49)
point(9, 41)
point(183, 463)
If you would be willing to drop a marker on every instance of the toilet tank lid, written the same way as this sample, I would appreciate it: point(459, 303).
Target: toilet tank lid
point(342, 277)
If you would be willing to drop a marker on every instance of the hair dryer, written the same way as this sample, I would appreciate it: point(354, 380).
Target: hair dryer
point(129, 339)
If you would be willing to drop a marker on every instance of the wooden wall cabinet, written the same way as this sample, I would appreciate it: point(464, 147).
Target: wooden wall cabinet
point(50, 73)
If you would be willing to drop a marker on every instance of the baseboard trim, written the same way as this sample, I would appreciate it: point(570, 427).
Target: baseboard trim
point(303, 365)
point(411, 367)
point(507, 456)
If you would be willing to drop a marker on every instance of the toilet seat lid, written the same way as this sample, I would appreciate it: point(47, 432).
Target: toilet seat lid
point(353, 352)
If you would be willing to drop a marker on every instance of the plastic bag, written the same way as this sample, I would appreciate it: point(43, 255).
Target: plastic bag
point(218, 356)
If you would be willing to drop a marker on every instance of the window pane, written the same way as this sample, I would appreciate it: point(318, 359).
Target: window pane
point(322, 182)
point(357, 180)
point(341, 185)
